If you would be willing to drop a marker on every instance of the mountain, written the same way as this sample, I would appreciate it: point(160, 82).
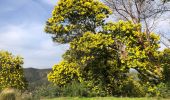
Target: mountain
point(36, 77)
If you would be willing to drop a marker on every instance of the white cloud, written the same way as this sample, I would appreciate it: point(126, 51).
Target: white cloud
point(21, 32)
point(32, 43)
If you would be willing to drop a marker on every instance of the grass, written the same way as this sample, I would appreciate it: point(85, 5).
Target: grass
point(103, 98)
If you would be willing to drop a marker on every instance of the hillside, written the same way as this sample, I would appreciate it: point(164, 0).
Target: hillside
point(36, 77)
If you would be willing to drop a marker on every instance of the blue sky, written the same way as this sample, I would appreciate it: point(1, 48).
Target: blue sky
point(22, 32)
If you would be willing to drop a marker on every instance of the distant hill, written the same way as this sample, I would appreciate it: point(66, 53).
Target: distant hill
point(36, 77)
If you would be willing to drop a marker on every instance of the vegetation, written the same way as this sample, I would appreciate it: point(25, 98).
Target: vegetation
point(104, 58)
point(71, 18)
point(11, 71)
point(104, 98)
point(13, 94)
point(147, 12)
point(165, 59)
point(7, 94)
point(101, 56)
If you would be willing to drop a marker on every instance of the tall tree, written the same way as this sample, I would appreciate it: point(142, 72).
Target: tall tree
point(11, 71)
point(71, 18)
point(92, 60)
point(99, 61)
point(100, 56)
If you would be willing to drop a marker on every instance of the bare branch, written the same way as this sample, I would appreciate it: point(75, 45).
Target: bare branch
point(147, 12)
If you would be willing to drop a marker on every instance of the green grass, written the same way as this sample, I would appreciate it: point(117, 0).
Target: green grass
point(103, 98)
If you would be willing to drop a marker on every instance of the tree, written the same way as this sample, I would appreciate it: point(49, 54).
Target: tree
point(91, 60)
point(101, 57)
point(71, 18)
point(146, 12)
point(136, 51)
point(99, 61)
point(11, 71)
point(165, 59)
point(138, 11)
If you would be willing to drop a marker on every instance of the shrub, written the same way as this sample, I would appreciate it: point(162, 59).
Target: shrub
point(133, 88)
point(75, 89)
point(48, 91)
point(163, 90)
point(159, 90)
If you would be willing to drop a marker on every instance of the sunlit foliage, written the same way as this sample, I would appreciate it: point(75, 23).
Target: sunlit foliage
point(71, 18)
point(11, 71)
point(136, 51)
point(63, 73)
point(102, 56)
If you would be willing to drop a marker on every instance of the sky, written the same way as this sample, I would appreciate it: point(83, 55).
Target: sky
point(22, 25)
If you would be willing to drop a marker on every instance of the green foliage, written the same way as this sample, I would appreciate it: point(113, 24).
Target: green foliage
point(63, 73)
point(163, 90)
point(132, 87)
point(95, 53)
point(71, 18)
point(11, 71)
point(101, 54)
point(102, 60)
point(165, 59)
point(108, 98)
point(49, 91)
point(71, 89)
point(75, 89)
point(159, 90)
point(90, 67)
point(138, 52)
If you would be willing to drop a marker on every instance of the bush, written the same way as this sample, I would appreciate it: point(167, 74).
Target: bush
point(159, 90)
point(164, 90)
point(133, 88)
point(75, 89)
point(48, 91)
